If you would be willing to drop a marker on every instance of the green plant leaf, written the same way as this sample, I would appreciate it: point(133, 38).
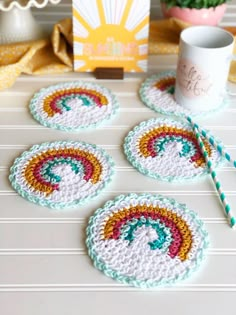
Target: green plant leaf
point(193, 4)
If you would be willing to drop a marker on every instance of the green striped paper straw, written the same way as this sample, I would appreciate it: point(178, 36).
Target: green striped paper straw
point(213, 142)
point(226, 206)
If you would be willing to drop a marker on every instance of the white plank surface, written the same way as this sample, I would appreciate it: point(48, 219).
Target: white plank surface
point(44, 267)
point(75, 302)
point(42, 252)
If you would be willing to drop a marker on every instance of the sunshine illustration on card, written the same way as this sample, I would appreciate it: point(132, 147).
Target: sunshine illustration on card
point(111, 33)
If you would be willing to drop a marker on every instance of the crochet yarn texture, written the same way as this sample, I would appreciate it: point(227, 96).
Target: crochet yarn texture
point(61, 174)
point(167, 150)
point(157, 91)
point(146, 240)
point(73, 106)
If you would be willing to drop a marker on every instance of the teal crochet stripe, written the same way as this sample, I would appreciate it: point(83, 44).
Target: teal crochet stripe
point(85, 119)
point(145, 127)
point(124, 200)
point(165, 103)
point(160, 230)
point(76, 168)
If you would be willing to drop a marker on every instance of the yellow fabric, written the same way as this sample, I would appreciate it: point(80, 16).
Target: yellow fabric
point(164, 36)
point(232, 72)
point(55, 54)
point(37, 57)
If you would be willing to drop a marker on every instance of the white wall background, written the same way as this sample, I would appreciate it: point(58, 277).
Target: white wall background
point(53, 13)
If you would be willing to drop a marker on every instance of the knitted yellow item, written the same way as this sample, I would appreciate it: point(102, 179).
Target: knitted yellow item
point(164, 36)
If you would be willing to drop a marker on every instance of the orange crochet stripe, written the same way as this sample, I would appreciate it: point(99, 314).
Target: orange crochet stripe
point(165, 83)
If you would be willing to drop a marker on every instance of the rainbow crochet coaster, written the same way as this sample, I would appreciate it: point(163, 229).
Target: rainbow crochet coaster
point(74, 105)
point(146, 240)
point(168, 150)
point(157, 93)
point(61, 174)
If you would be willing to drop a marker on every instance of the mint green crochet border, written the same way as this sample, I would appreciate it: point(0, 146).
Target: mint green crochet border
point(59, 205)
point(145, 171)
point(158, 109)
point(132, 281)
point(46, 123)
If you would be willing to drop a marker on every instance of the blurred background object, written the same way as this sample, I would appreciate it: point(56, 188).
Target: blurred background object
point(17, 22)
point(54, 53)
point(196, 12)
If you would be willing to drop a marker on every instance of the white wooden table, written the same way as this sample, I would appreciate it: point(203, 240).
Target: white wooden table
point(44, 267)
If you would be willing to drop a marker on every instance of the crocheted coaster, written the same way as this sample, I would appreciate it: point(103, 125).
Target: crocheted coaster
point(146, 240)
point(72, 106)
point(157, 93)
point(61, 174)
point(168, 150)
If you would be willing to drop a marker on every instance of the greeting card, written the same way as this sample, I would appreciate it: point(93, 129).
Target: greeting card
point(111, 33)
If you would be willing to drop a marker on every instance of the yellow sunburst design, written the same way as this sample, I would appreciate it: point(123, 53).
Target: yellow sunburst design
point(111, 33)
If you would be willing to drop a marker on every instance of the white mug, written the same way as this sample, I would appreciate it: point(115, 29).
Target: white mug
point(205, 54)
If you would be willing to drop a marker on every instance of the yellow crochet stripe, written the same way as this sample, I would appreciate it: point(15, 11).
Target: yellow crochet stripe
point(156, 132)
point(47, 101)
point(48, 189)
point(179, 222)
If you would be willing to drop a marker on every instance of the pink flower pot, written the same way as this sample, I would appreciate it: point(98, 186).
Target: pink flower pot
point(211, 16)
